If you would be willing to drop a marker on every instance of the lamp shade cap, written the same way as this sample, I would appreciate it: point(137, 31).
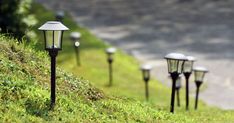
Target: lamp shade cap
point(146, 67)
point(110, 50)
point(75, 35)
point(176, 56)
point(60, 13)
point(53, 25)
point(200, 68)
point(191, 58)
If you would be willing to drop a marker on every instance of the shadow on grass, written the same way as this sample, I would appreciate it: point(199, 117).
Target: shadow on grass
point(38, 108)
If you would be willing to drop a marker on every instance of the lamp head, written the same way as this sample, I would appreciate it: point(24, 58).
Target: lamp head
point(188, 65)
point(175, 62)
point(53, 33)
point(199, 73)
point(110, 51)
point(59, 15)
point(146, 71)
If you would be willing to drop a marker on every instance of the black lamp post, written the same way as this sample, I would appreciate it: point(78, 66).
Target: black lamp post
point(59, 16)
point(75, 38)
point(199, 73)
point(53, 34)
point(146, 77)
point(110, 52)
point(187, 70)
point(178, 86)
point(175, 62)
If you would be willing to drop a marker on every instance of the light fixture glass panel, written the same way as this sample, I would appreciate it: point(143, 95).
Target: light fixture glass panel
point(53, 39)
point(110, 56)
point(146, 73)
point(199, 75)
point(49, 39)
point(188, 66)
point(57, 39)
point(180, 66)
point(172, 65)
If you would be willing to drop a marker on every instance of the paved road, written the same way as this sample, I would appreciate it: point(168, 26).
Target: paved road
point(149, 29)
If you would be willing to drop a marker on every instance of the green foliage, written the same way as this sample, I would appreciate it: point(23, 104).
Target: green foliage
point(24, 78)
point(16, 19)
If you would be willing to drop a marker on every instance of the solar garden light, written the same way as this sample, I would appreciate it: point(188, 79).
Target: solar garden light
point(175, 62)
point(53, 34)
point(146, 77)
point(199, 73)
point(178, 86)
point(187, 70)
point(75, 38)
point(110, 52)
point(59, 16)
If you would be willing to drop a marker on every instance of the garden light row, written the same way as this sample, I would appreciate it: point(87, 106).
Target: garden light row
point(177, 63)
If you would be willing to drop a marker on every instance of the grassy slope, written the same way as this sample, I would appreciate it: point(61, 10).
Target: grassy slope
point(127, 77)
point(78, 100)
point(24, 79)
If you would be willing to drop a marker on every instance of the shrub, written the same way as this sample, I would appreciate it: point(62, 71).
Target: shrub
point(15, 17)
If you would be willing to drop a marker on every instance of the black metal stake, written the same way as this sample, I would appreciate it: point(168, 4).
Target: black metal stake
point(146, 91)
point(146, 78)
point(187, 75)
point(178, 97)
point(77, 56)
point(53, 54)
point(146, 88)
point(174, 77)
point(198, 84)
point(110, 71)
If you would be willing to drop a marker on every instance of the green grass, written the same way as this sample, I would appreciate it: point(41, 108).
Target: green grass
point(84, 96)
